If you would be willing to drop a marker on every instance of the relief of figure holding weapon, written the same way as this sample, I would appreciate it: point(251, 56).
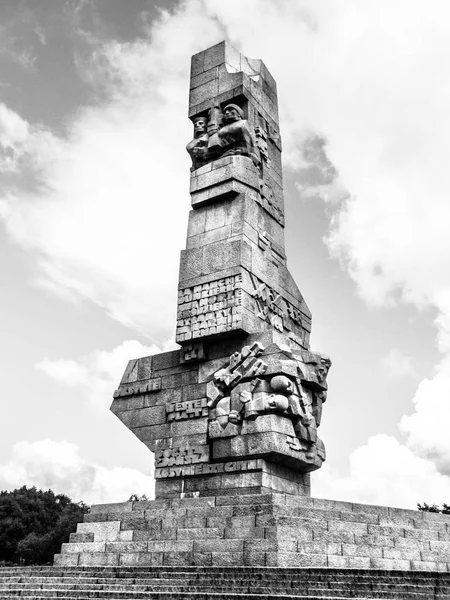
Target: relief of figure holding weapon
point(198, 147)
point(221, 135)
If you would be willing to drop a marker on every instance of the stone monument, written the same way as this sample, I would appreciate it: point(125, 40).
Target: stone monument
point(238, 406)
point(232, 416)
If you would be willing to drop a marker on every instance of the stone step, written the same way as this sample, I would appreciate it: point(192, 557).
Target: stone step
point(215, 573)
point(201, 583)
point(192, 596)
point(82, 583)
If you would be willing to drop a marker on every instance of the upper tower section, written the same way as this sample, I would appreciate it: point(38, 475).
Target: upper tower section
point(234, 279)
point(234, 108)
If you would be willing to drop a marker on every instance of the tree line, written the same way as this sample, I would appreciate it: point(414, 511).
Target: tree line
point(34, 524)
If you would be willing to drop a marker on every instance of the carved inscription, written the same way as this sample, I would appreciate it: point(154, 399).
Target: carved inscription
point(266, 199)
point(206, 469)
point(139, 388)
point(209, 308)
point(190, 409)
point(274, 308)
point(187, 455)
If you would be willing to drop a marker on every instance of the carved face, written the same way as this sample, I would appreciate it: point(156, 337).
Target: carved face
point(231, 115)
point(199, 126)
point(323, 367)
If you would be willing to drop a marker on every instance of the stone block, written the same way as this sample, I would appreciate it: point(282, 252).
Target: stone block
point(216, 545)
point(421, 534)
point(190, 503)
point(196, 521)
point(177, 559)
point(385, 530)
point(148, 535)
point(200, 533)
point(209, 237)
point(141, 559)
point(191, 427)
point(246, 533)
point(197, 63)
point(294, 559)
point(100, 531)
point(421, 565)
point(359, 517)
point(227, 559)
point(214, 56)
point(390, 564)
point(367, 509)
point(356, 528)
point(191, 263)
point(344, 537)
point(203, 92)
point(114, 507)
point(76, 538)
point(204, 77)
point(98, 559)
point(197, 222)
point(375, 540)
point(123, 547)
point(66, 560)
point(339, 562)
point(254, 558)
point(202, 559)
point(362, 550)
point(402, 553)
point(319, 547)
point(351, 562)
point(170, 546)
point(83, 547)
point(228, 189)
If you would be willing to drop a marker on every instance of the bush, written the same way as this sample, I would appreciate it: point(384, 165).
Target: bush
point(34, 524)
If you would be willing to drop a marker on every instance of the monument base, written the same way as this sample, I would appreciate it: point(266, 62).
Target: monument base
point(273, 530)
point(238, 478)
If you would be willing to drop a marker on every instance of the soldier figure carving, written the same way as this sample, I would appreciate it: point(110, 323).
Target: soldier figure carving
point(226, 134)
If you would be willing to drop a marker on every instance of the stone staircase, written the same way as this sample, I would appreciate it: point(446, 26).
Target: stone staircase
point(220, 583)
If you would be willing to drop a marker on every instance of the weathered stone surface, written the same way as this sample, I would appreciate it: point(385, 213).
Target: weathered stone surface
point(267, 530)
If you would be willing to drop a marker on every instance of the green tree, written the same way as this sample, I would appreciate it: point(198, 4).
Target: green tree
point(137, 498)
point(434, 508)
point(34, 524)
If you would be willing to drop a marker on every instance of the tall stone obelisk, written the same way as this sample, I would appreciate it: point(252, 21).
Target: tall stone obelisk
point(237, 407)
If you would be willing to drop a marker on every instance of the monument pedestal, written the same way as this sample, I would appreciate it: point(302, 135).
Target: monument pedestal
point(273, 530)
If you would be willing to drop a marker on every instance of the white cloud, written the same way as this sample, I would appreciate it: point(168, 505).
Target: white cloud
point(13, 134)
point(384, 472)
point(396, 364)
point(99, 373)
point(427, 429)
point(59, 466)
point(108, 217)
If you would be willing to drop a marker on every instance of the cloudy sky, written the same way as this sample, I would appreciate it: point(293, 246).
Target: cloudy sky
point(93, 213)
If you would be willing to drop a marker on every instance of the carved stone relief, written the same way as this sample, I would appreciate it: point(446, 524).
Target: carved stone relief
point(248, 387)
point(222, 134)
point(273, 307)
point(209, 308)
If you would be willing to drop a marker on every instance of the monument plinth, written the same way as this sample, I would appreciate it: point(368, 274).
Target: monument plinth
point(238, 406)
point(232, 416)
